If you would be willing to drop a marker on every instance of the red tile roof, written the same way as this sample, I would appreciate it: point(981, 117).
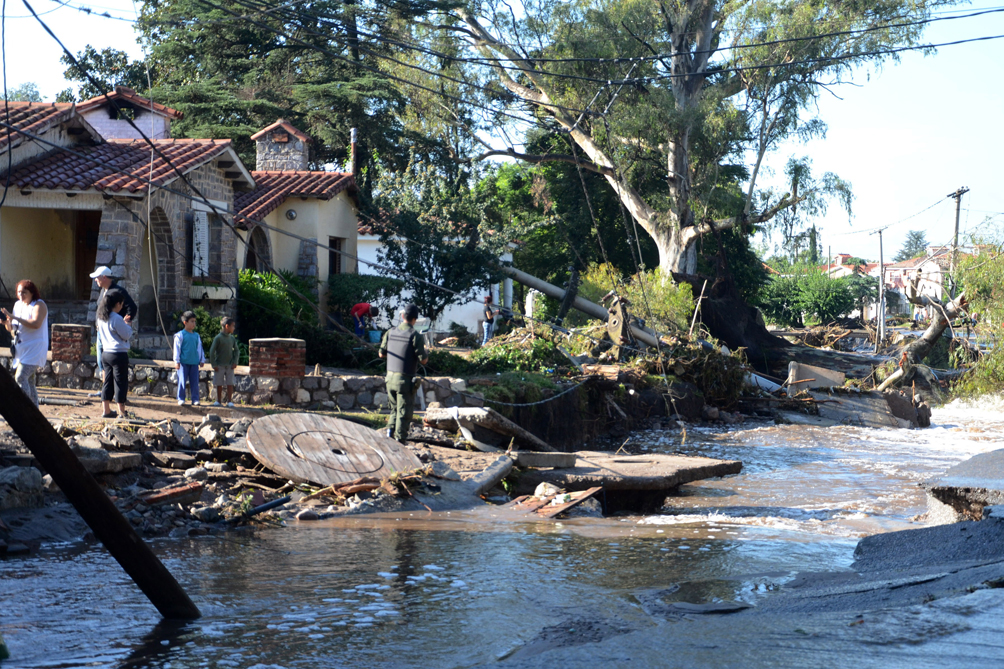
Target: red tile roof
point(126, 94)
point(32, 117)
point(285, 125)
point(124, 165)
point(272, 189)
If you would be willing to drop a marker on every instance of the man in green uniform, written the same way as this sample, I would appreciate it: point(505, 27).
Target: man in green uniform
point(403, 347)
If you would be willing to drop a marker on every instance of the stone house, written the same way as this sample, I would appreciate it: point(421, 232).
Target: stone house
point(78, 198)
point(292, 210)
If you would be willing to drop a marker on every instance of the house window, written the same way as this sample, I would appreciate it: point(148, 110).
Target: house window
point(200, 244)
point(335, 246)
point(204, 244)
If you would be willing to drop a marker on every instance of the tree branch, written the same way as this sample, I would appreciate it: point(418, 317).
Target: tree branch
point(545, 158)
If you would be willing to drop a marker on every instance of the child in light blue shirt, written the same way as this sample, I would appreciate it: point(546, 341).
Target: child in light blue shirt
point(188, 355)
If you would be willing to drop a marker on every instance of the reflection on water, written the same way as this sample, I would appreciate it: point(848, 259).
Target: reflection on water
point(456, 590)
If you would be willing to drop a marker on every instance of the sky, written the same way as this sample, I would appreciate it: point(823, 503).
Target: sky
point(904, 136)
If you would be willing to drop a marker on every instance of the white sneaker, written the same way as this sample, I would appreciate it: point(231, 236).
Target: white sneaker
point(195, 404)
point(181, 403)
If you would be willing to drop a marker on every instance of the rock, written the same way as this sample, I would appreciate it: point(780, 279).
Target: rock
point(364, 399)
point(458, 385)
point(336, 384)
point(127, 441)
point(197, 474)
point(178, 532)
point(240, 428)
point(93, 442)
point(95, 460)
point(217, 467)
point(63, 431)
point(210, 434)
point(433, 405)
point(49, 484)
point(17, 549)
point(25, 479)
point(207, 514)
point(209, 418)
point(444, 471)
point(84, 371)
point(267, 383)
point(170, 459)
point(180, 434)
point(380, 399)
point(346, 401)
point(61, 368)
point(546, 489)
point(302, 396)
point(710, 413)
point(244, 384)
point(307, 514)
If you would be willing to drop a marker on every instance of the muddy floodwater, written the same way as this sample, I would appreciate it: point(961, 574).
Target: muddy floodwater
point(468, 589)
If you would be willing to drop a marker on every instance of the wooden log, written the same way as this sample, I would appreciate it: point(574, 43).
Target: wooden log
point(490, 419)
point(93, 505)
point(183, 494)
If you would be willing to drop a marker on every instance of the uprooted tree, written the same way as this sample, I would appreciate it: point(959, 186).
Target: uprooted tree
point(662, 97)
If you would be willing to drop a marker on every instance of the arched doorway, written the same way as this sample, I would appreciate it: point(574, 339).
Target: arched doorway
point(158, 282)
point(259, 254)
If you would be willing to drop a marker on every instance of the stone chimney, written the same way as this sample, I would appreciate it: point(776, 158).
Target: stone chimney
point(281, 146)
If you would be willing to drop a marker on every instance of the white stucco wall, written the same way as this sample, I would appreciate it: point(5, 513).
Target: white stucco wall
point(37, 244)
point(315, 219)
point(154, 126)
point(469, 314)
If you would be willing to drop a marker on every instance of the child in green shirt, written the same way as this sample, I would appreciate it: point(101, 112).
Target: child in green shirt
point(223, 356)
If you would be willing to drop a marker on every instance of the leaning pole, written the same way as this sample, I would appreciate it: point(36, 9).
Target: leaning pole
point(580, 303)
point(93, 505)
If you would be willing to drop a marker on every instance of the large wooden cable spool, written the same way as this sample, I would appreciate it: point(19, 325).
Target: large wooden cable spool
point(325, 450)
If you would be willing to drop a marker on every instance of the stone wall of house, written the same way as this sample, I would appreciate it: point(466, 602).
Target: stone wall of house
point(123, 231)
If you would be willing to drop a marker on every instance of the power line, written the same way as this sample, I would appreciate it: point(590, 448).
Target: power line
point(888, 225)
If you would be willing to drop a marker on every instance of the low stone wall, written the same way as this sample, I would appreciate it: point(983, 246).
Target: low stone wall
point(328, 390)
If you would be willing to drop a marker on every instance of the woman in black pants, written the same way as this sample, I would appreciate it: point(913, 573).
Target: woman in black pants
point(114, 332)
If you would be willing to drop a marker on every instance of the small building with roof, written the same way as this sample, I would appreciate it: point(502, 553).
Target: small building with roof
point(296, 219)
point(154, 212)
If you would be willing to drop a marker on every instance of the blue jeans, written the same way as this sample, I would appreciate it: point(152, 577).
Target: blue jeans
point(188, 376)
point(488, 332)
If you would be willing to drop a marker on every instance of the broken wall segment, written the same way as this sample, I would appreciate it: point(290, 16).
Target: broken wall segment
point(278, 357)
point(70, 343)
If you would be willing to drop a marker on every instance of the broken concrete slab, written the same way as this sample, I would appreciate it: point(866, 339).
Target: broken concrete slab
point(971, 485)
point(802, 377)
point(170, 459)
point(864, 409)
point(539, 460)
point(629, 482)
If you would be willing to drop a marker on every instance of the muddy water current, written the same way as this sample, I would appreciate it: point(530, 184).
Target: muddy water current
point(468, 589)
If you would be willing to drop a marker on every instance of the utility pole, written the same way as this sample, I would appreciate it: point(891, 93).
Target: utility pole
point(955, 240)
point(880, 317)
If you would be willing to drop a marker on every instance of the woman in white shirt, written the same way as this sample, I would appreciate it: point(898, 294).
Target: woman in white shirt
point(114, 332)
point(29, 328)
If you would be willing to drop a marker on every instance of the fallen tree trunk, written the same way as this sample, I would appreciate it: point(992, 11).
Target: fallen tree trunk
point(918, 349)
point(454, 418)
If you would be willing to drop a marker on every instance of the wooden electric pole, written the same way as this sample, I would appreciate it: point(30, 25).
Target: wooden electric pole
point(955, 239)
point(880, 316)
point(93, 505)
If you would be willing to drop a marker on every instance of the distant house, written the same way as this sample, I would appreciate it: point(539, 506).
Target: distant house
point(291, 210)
point(469, 314)
point(78, 197)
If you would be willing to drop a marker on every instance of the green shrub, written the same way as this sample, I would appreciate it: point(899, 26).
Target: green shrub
point(538, 356)
point(264, 308)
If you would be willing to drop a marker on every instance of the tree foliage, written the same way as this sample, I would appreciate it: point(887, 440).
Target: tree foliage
point(805, 291)
point(914, 246)
point(108, 67)
point(26, 92)
point(433, 233)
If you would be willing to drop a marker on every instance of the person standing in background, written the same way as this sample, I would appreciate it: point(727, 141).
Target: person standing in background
point(403, 347)
point(114, 332)
point(29, 329)
point(489, 323)
point(103, 278)
point(224, 354)
point(188, 355)
point(360, 313)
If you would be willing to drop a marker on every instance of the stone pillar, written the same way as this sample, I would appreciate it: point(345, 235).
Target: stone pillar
point(306, 266)
point(278, 358)
point(70, 343)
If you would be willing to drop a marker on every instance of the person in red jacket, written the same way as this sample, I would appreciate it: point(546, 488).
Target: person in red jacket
point(360, 313)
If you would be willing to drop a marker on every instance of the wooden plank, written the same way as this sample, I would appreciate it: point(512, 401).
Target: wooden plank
point(325, 450)
point(577, 498)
